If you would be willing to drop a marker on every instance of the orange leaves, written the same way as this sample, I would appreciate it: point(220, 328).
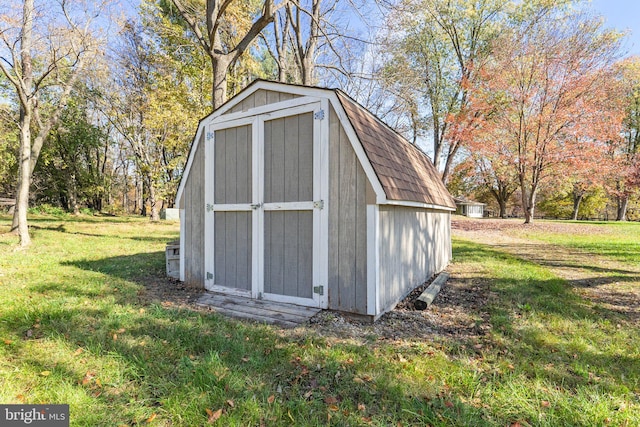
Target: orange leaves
point(213, 416)
point(271, 399)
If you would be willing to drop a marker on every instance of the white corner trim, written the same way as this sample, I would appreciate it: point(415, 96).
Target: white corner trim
point(373, 260)
point(182, 243)
point(411, 204)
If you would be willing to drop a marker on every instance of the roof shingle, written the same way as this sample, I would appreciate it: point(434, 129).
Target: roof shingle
point(404, 171)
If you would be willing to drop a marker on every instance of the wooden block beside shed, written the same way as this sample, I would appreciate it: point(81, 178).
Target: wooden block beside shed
point(172, 257)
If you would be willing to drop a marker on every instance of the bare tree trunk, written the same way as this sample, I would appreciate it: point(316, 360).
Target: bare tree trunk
point(577, 200)
point(528, 201)
point(220, 66)
point(24, 179)
point(153, 202)
point(24, 169)
point(622, 205)
point(72, 189)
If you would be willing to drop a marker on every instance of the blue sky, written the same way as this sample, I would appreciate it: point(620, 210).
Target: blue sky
point(622, 15)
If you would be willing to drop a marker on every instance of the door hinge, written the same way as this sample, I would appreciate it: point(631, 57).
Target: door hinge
point(318, 290)
point(209, 276)
point(319, 204)
point(319, 115)
point(209, 207)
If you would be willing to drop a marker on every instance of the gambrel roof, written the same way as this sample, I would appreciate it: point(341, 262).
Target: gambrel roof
point(404, 171)
point(399, 172)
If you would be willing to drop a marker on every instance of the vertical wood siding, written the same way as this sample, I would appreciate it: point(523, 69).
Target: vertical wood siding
point(347, 224)
point(288, 159)
point(232, 165)
point(193, 197)
point(288, 253)
point(232, 230)
point(259, 98)
point(415, 244)
point(288, 242)
point(232, 249)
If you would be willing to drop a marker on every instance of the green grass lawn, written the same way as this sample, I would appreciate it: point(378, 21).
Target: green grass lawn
point(75, 329)
point(616, 240)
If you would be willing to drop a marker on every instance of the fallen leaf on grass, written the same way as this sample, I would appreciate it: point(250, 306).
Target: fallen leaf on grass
point(87, 377)
point(213, 416)
point(245, 359)
point(45, 373)
point(448, 404)
point(115, 337)
point(8, 342)
point(21, 398)
point(330, 400)
point(271, 398)
point(545, 404)
point(230, 403)
point(151, 418)
point(78, 351)
point(361, 407)
point(358, 380)
point(333, 408)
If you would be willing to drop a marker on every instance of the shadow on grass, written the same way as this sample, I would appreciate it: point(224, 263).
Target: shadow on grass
point(184, 362)
point(552, 332)
point(62, 229)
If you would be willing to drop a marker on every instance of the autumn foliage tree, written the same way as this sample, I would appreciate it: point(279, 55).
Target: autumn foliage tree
point(434, 47)
point(624, 151)
point(540, 94)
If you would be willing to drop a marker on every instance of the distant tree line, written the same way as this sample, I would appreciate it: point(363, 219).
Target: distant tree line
point(518, 103)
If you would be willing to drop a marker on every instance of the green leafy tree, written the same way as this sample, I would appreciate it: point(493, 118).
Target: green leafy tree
point(71, 169)
point(225, 30)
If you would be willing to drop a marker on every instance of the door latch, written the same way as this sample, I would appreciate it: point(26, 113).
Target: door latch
point(256, 206)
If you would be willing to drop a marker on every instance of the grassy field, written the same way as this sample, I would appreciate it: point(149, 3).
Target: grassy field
point(76, 328)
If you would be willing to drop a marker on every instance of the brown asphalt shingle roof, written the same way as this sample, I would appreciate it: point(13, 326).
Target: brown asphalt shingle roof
point(404, 171)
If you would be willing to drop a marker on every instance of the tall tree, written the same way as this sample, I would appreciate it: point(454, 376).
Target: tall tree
point(542, 90)
point(625, 150)
point(435, 45)
point(229, 29)
point(45, 49)
point(311, 37)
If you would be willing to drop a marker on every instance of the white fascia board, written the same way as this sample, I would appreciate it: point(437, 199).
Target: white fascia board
point(381, 197)
point(418, 205)
point(271, 86)
point(187, 168)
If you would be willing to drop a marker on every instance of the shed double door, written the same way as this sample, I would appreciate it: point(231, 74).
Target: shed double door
point(266, 211)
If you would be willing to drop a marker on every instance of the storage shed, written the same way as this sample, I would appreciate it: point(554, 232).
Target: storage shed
point(468, 207)
point(300, 195)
